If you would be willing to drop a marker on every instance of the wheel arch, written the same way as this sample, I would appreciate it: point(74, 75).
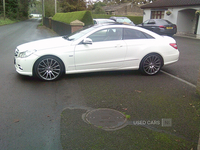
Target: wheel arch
point(64, 68)
point(151, 54)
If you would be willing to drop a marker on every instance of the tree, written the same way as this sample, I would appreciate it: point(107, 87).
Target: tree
point(143, 1)
point(98, 4)
point(16, 9)
point(99, 10)
point(35, 7)
point(72, 5)
point(137, 2)
point(49, 8)
point(97, 7)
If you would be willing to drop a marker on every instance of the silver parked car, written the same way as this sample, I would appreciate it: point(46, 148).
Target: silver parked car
point(103, 21)
point(122, 20)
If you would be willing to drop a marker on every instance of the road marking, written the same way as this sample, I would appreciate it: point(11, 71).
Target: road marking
point(184, 81)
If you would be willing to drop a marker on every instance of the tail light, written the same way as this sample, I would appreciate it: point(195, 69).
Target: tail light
point(162, 27)
point(175, 26)
point(174, 45)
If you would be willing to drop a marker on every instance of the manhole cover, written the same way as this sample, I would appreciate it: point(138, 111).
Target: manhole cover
point(105, 118)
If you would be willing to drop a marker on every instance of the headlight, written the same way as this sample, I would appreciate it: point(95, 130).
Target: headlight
point(26, 53)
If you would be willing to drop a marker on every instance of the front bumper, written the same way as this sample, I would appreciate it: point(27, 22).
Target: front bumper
point(24, 66)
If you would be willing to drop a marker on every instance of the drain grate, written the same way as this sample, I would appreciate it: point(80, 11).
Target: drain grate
point(107, 119)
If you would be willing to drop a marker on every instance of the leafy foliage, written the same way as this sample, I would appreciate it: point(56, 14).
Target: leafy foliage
point(16, 9)
point(84, 16)
point(97, 7)
point(125, 1)
point(135, 19)
point(72, 5)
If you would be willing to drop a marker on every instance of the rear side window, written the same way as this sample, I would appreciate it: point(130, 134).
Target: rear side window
point(135, 34)
point(163, 22)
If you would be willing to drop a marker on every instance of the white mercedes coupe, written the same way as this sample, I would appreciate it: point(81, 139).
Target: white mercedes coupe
point(96, 48)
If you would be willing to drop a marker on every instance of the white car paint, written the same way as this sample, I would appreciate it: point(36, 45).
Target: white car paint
point(98, 56)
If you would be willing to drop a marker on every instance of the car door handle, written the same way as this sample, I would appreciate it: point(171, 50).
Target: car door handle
point(118, 46)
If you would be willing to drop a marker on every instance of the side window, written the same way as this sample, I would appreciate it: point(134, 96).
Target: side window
point(146, 22)
point(108, 34)
point(98, 36)
point(135, 34)
point(95, 22)
point(151, 22)
point(148, 36)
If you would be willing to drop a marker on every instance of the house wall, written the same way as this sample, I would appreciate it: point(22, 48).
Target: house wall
point(147, 14)
point(129, 10)
point(183, 17)
point(198, 29)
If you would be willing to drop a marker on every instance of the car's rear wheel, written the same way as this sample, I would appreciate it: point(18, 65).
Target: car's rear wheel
point(48, 68)
point(151, 64)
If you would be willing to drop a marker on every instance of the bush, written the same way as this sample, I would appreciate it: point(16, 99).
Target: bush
point(83, 16)
point(135, 19)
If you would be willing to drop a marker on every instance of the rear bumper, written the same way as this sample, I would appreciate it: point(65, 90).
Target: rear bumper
point(25, 66)
point(172, 58)
point(167, 31)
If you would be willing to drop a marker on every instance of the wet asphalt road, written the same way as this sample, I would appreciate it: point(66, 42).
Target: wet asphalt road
point(30, 109)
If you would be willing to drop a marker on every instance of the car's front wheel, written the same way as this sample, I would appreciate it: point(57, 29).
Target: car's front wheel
point(151, 64)
point(48, 68)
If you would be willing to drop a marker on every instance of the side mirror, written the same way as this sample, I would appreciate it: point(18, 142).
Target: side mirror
point(87, 41)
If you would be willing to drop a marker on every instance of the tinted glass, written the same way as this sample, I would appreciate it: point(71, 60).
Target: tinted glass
point(108, 34)
point(95, 22)
point(135, 34)
point(78, 34)
point(122, 20)
point(151, 22)
point(163, 22)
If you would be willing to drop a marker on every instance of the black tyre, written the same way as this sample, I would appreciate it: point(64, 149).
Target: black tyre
point(48, 68)
point(170, 35)
point(151, 64)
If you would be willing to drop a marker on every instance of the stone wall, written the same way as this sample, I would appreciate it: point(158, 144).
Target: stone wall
point(124, 9)
point(129, 10)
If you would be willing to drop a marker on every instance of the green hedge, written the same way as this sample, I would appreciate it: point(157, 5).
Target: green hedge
point(84, 16)
point(135, 19)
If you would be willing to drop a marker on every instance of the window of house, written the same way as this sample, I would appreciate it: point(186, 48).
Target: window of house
point(157, 14)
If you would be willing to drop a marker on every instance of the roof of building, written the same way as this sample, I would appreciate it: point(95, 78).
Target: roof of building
point(115, 7)
point(171, 3)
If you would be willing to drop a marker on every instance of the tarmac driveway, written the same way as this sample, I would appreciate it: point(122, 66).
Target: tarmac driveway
point(162, 111)
point(158, 112)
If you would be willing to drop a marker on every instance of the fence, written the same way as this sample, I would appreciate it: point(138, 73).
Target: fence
point(60, 27)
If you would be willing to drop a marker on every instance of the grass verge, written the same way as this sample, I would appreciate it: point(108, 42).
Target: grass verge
point(6, 21)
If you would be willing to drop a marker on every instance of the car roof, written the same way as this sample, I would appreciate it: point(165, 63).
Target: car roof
point(102, 19)
point(118, 17)
point(115, 24)
point(162, 20)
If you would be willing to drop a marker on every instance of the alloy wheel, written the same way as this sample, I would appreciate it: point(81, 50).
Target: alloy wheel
point(151, 64)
